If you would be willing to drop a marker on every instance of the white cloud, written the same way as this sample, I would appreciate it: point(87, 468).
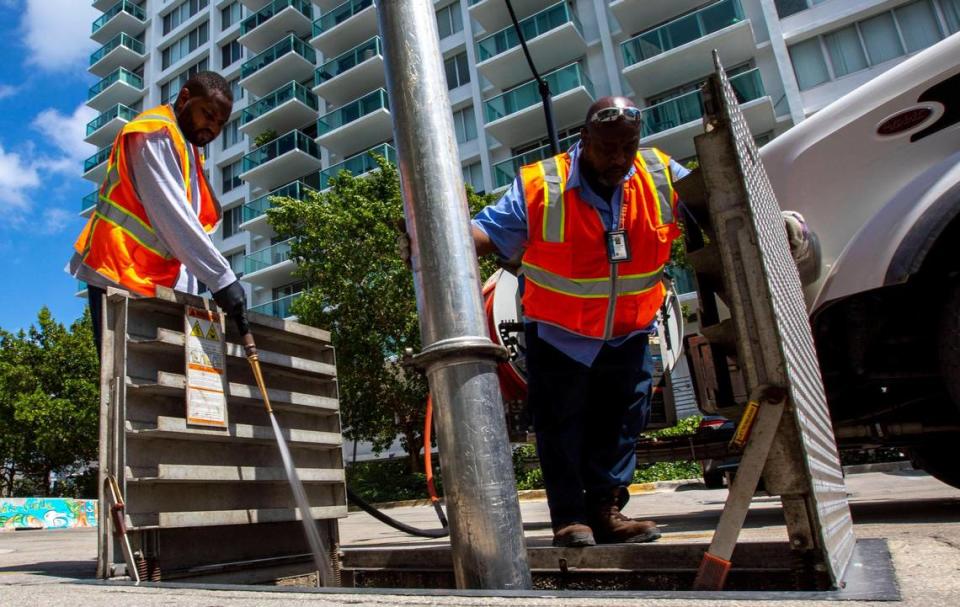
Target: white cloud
point(17, 176)
point(57, 33)
point(67, 132)
point(54, 220)
point(8, 90)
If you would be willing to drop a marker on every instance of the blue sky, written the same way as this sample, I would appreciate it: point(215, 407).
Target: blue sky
point(43, 82)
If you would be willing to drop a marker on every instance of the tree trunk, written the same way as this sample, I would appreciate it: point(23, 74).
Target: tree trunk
point(414, 443)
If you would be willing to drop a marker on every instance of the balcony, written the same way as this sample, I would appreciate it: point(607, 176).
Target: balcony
point(492, 14)
point(289, 59)
point(281, 161)
point(122, 86)
point(505, 172)
point(124, 16)
point(359, 164)
point(637, 15)
point(671, 125)
point(344, 26)
point(81, 289)
point(103, 129)
point(290, 106)
point(280, 17)
point(680, 50)
point(88, 203)
point(359, 125)
point(254, 212)
point(554, 37)
point(351, 74)
point(279, 308)
point(122, 51)
point(269, 267)
point(516, 116)
point(95, 167)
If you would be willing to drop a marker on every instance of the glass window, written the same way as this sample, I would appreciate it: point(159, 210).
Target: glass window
point(185, 45)
point(232, 218)
point(951, 12)
point(230, 14)
point(231, 133)
point(880, 36)
point(170, 89)
point(919, 25)
point(449, 20)
point(465, 124)
point(230, 53)
point(846, 52)
point(181, 14)
point(457, 71)
point(235, 259)
point(230, 175)
point(785, 8)
point(473, 176)
point(236, 89)
point(808, 64)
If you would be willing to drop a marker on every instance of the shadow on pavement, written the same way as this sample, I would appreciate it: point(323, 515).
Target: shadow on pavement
point(82, 570)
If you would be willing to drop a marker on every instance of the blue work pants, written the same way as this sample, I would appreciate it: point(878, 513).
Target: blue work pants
point(587, 420)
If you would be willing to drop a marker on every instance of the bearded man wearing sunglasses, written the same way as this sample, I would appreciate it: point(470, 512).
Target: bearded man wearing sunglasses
point(592, 228)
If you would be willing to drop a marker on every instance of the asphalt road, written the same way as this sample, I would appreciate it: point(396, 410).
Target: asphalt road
point(917, 515)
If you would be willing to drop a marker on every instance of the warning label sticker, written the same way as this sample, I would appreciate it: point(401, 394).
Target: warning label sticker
point(205, 368)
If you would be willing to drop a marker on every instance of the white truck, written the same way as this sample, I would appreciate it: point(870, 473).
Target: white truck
point(876, 175)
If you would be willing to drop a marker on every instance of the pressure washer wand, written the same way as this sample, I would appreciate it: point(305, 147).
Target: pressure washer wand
point(320, 554)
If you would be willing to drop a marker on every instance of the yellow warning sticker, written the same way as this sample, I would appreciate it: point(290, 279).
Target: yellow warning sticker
point(205, 369)
point(212, 332)
point(197, 331)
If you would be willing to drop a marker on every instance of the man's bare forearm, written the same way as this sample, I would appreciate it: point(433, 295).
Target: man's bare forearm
point(482, 242)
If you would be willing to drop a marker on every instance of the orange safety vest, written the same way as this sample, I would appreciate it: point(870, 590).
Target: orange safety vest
point(569, 280)
point(118, 241)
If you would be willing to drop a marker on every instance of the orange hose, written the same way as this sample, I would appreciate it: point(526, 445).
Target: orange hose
point(427, 456)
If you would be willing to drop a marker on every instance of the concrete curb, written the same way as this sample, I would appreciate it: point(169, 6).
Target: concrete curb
point(878, 467)
point(527, 495)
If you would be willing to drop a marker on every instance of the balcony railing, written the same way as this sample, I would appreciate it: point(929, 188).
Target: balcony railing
point(117, 111)
point(350, 59)
point(525, 95)
point(124, 6)
point(97, 159)
point(358, 164)
point(266, 13)
point(258, 206)
point(338, 15)
point(352, 111)
point(294, 140)
point(120, 75)
point(264, 258)
point(121, 39)
point(279, 308)
point(270, 102)
point(505, 172)
point(689, 107)
point(90, 200)
point(289, 44)
point(533, 26)
point(682, 30)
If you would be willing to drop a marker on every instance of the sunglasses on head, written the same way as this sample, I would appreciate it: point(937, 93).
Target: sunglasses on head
point(612, 114)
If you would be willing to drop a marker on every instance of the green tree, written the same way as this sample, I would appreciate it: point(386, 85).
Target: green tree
point(358, 288)
point(49, 403)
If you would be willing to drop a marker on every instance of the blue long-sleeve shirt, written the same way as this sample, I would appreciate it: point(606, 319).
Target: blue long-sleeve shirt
point(505, 222)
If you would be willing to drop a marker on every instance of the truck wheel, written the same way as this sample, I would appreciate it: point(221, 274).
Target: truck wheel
point(713, 479)
point(938, 459)
point(949, 343)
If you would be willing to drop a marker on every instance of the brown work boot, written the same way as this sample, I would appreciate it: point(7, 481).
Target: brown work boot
point(610, 526)
point(573, 535)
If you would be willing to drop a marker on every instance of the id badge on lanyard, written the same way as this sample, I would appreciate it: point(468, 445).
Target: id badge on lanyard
point(618, 243)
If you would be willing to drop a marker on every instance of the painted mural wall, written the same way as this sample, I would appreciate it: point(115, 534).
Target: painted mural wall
point(46, 513)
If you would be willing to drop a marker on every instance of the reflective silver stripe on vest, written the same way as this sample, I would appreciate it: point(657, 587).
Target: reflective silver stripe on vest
point(133, 226)
point(553, 209)
point(592, 288)
point(661, 181)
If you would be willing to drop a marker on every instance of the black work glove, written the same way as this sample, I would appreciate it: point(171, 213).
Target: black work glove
point(233, 301)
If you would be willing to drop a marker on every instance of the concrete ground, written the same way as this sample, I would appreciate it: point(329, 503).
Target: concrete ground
point(919, 516)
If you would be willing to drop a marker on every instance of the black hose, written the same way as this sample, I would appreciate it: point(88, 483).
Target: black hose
point(383, 518)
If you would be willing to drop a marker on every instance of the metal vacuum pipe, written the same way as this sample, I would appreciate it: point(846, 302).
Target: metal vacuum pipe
point(485, 529)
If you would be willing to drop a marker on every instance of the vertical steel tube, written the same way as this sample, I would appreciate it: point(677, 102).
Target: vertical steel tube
point(485, 528)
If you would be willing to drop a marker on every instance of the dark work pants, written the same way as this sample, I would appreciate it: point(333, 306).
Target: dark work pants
point(95, 295)
point(587, 420)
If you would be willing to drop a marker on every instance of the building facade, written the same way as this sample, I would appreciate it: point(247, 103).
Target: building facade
point(309, 99)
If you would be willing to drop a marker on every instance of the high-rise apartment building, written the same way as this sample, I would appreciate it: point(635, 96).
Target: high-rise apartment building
point(309, 98)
